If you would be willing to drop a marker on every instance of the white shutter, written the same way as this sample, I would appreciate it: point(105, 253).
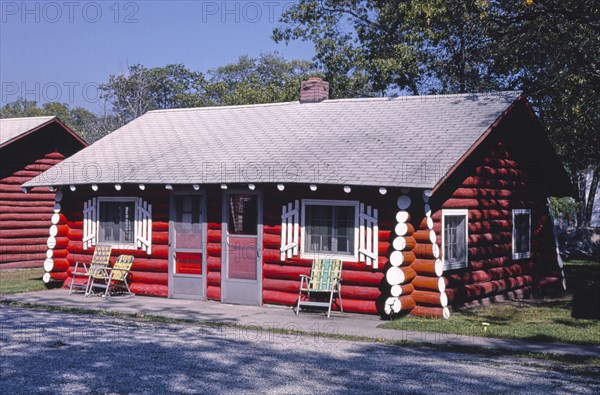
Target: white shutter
point(90, 217)
point(290, 229)
point(368, 237)
point(143, 225)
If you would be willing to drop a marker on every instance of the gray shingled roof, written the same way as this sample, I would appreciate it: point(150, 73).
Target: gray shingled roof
point(405, 141)
point(12, 128)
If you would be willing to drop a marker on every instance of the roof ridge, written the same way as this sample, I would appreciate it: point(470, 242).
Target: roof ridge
point(355, 99)
point(24, 118)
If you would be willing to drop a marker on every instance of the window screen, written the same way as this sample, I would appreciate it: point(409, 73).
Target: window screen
point(329, 229)
point(116, 222)
point(455, 241)
point(521, 233)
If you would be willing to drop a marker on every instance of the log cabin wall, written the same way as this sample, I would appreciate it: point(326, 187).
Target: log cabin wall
point(499, 178)
point(364, 288)
point(25, 217)
point(149, 275)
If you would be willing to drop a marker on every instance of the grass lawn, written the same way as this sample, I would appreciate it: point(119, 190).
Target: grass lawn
point(14, 281)
point(547, 319)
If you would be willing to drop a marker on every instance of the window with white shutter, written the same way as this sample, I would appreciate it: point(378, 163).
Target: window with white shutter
point(123, 222)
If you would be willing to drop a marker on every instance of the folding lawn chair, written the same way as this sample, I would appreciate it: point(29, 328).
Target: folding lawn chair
point(113, 279)
point(325, 278)
point(101, 258)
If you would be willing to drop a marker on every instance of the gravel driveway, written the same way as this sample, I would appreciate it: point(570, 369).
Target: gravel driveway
point(52, 352)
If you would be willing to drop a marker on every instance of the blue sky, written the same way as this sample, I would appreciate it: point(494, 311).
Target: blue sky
point(61, 50)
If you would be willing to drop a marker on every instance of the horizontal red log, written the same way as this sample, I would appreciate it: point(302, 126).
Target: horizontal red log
point(22, 257)
point(149, 289)
point(213, 293)
point(6, 241)
point(430, 298)
point(425, 283)
point(150, 265)
point(149, 277)
point(7, 225)
point(21, 264)
point(434, 312)
point(214, 278)
point(27, 196)
point(23, 249)
point(213, 263)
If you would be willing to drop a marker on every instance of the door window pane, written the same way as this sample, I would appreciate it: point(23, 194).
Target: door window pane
point(188, 222)
point(243, 214)
point(241, 257)
point(188, 262)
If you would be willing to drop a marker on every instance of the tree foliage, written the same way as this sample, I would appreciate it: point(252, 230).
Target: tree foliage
point(548, 49)
point(83, 122)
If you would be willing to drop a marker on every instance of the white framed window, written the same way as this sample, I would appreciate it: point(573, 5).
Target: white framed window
point(455, 251)
point(329, 229)
point(521, 233)
point(116, 221)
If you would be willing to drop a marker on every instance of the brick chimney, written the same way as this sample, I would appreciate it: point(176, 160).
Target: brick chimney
point(314, 90)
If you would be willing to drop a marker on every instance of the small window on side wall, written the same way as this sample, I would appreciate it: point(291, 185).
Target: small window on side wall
point(521, 234)
point(454, 239)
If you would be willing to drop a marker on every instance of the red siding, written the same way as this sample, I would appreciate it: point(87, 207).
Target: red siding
point(499, 183)
point(25, 217)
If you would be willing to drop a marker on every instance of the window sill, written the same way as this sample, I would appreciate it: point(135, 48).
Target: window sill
point(522, 255)
point(117, 246)
point(455, 266)
point(344, 258)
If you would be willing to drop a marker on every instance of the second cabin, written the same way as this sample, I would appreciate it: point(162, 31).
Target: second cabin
point(429, 201)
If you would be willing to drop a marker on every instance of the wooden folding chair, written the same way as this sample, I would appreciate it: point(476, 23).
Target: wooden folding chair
point(113, 279)
point(325, 277)
point(101, 258)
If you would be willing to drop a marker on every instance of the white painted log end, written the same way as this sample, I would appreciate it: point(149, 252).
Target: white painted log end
point(441, 284)
point(394, 276)
point(439, 267)
point(313, 187)
point(251, 187)
point(382, 191)
point(402, 216)
point(443, 299)
point(58, 196)
point(51, 243)
point(396, 290)
point(399, 243)
point(396, 258)
point(94, 187)
point(48, 264)
point(446, 313)
point(401, 229)
point(280, 187)
point(46, 278)
point(347, 189)
point(432, 237)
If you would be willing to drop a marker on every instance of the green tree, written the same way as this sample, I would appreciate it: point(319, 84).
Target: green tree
point(266, 79)
point(548, 49)
point(141, 89)
point(81, 121)
point(551, 50)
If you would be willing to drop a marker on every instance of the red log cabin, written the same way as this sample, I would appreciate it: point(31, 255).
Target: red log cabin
point(429, 201)
point(28, 147)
